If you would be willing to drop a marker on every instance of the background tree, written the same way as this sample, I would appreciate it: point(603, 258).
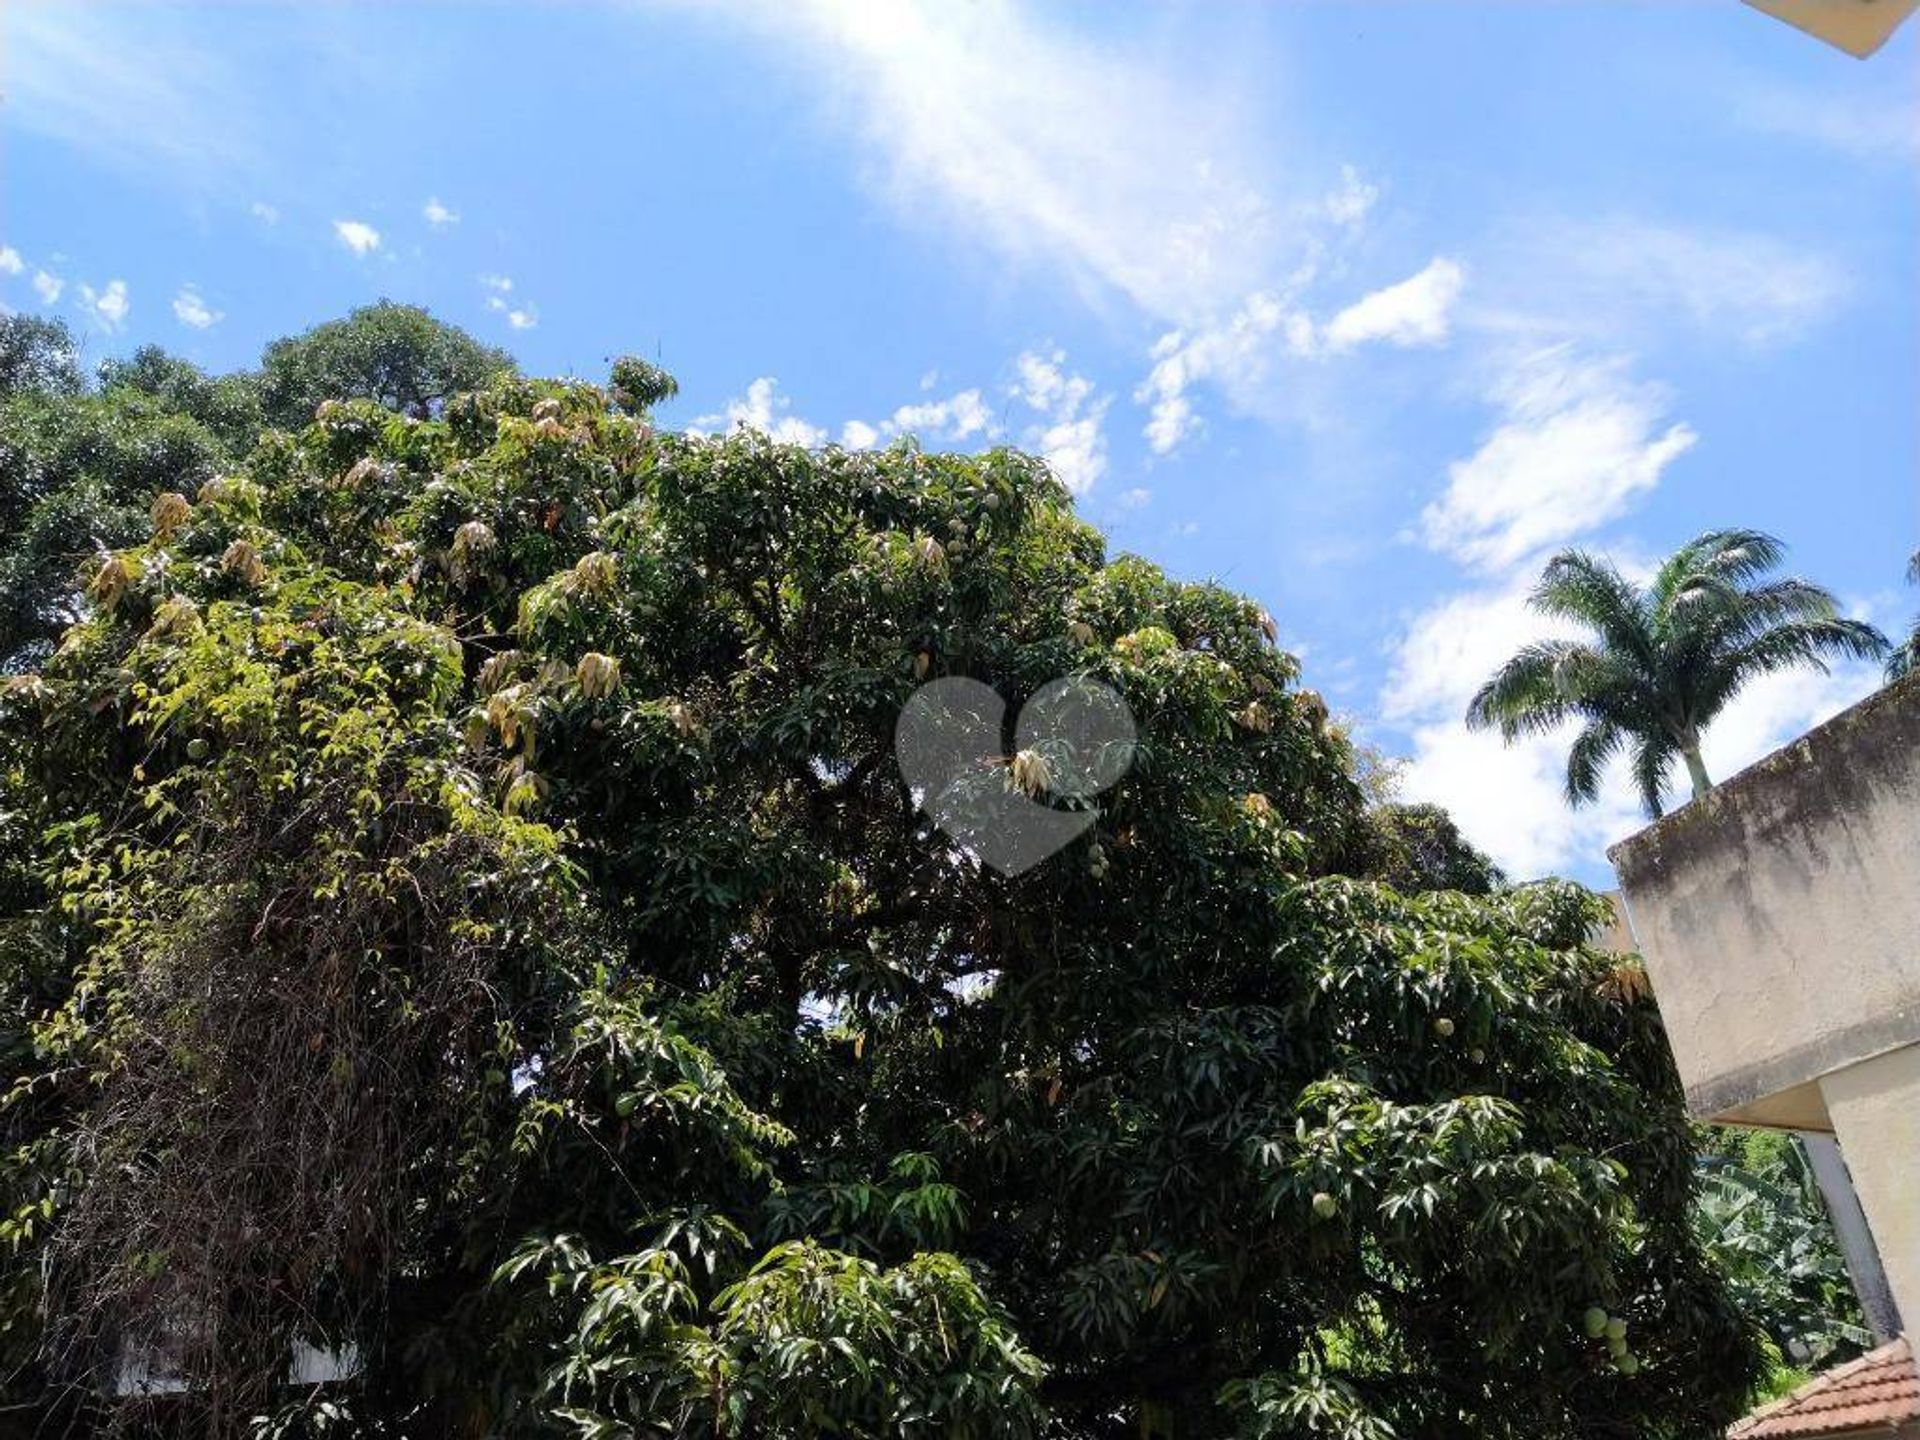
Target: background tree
point(398, 355)
point(1905, 658)
point(227, 405)
point(1661, 661)
point(476, 917)
point(1418, 848)
point(79, 468)
point(37, 357)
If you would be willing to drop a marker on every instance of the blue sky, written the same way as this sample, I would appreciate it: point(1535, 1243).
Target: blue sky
point(1361, 309)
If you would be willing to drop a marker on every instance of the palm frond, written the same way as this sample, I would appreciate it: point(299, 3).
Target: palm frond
point(1733, 556)
point(1587, 760)
point(1814, 644)
point(1590, 591)
point(1652, 758)
point(1905, 659)
point(1750, 609)
point(1524, 695)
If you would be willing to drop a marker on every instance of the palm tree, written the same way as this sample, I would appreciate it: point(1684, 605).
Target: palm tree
point(1906, 658)
point(1664, 659)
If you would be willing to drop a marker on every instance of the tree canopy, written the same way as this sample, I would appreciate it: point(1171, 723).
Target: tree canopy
point(398, 355)
point(1660, 661)
point(79, 467)
point(37, 356)
point(463, 914)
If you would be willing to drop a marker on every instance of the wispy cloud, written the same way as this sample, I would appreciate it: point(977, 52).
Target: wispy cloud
point(438, 215)
point(1353, 201)
point(121, 83)
point(192, 311)
point(1236, 351)
point(263, 212)
point(47, 286)
point(1875, 123)
point(358, 236)
point(1640, 281)
point(107, 308)
point(1070, 432)
point(1020, 134)
point(1577, 440)
point(10, 261)
point(1241, 353)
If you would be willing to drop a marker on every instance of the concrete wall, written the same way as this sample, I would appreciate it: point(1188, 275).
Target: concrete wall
point(1779, 919)
point(1780, 916)
point(1876, 1115)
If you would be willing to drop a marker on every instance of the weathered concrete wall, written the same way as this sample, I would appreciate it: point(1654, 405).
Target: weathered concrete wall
point(1780, 916)
point(1876, 1116)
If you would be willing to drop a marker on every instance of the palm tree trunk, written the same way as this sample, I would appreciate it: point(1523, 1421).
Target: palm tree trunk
point(1696, 769)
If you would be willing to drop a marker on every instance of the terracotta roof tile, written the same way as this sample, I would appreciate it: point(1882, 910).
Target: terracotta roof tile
point(1872, 1394)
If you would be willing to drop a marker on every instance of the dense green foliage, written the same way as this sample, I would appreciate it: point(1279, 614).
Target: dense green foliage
point(398, 355)
point(80, 464)
point(79, 468)
point(1665, 658)
point(461, 905)
point(36, 355)
point(1762, 1218)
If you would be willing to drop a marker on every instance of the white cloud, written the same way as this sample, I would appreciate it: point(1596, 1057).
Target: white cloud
point(1417, 311)
point(10, 261)
point(992, 119)
point(1066, 429)
point(520, 317)
point(47, 286)
point(1350, 204)
point(357, 236)
point(1235, 353)
point(1577, 442)
point(960, 417)
point(1634, 281)
point(1238, 355)
point(1070, 433)
point(1453, 646)
point(189, 309)
point(107, 308)
point(1135, 498)
point(438, 215)
point(763, 408)
point(263, 212)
